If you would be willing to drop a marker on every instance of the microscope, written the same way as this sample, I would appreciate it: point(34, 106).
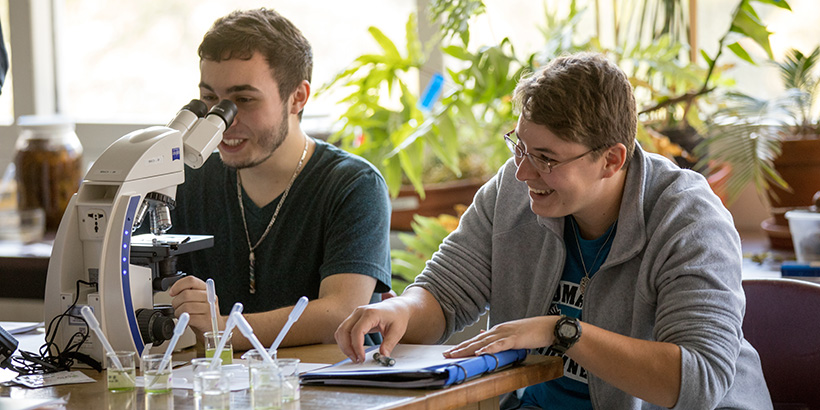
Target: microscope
point(97, 261)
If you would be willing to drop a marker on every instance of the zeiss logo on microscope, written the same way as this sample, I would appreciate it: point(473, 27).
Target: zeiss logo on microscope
point(174, 154)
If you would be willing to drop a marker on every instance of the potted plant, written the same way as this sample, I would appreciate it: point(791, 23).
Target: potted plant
point(682, 94)
point(774, 144)
point(422, 148)
point(417, 146)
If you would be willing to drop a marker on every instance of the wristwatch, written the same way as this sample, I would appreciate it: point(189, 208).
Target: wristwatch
point(567, 332)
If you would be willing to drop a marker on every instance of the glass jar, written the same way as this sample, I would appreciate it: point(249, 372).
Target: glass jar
point(48, 162)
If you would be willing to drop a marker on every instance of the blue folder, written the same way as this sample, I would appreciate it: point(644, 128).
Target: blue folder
point(429, 377)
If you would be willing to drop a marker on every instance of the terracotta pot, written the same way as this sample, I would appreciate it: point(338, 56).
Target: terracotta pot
point(440, 198)
point(799, 165)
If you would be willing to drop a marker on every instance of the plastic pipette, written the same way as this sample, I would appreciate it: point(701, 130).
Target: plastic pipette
point(95, 326)
point(146, 350)
point(247, 331)
point(292, 317)
point(182, 323)
point(211, 288)
point(237, 308)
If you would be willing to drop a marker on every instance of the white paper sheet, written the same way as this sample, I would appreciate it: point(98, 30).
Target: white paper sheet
point(408, 357)
point(16, 328)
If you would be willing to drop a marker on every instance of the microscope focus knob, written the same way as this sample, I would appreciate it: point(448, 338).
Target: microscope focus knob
point(154, 327)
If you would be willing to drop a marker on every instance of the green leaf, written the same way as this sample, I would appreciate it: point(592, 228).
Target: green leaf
point(412, 159)
point(414, 53)
point(458, 52)
point(740, 52)
point(449, 142)
point(391, 170)
point(777, 3)
point(747, 22)
point(389, 48)
point(706, 57)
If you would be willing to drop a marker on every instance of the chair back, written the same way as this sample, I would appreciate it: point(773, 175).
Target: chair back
point(783, 323)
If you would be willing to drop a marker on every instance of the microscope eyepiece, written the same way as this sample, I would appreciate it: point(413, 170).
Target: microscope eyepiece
point(197, 107)
point(226, 110)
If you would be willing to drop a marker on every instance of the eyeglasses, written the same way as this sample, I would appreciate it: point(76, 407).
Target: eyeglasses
point(541, 164)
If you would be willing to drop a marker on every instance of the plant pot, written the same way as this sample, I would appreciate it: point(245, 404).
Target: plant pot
point(799, 165)
point(440, 198)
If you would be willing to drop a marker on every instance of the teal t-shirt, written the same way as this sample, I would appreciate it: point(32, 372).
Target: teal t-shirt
point(335, 219)
point(572, 390)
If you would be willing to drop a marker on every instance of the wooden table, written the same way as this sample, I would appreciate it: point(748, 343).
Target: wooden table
point(479, 394)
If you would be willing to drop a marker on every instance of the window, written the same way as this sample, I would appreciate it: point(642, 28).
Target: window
point(520, 20)
point(121, 65)
point(137, 61)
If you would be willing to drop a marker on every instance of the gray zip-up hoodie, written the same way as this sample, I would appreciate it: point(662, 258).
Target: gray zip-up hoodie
point(672, 275)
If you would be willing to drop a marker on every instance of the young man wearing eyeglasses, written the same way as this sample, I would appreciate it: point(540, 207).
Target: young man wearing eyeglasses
point(584, 246)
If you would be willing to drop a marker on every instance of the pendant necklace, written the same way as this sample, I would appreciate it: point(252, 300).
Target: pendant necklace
point(585, 279)
point(251, 255)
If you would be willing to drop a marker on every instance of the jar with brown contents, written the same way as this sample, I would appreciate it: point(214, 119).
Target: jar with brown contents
point(49, 166)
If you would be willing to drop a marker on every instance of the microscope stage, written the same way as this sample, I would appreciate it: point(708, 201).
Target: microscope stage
point(169, 245)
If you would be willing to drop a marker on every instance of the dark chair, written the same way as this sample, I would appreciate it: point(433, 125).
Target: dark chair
point(783, 323)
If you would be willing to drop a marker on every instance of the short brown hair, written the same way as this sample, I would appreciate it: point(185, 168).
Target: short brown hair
point(581, 98)
point(242, 33)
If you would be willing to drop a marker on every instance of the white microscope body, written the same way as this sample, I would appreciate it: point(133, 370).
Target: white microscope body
point(91, 258)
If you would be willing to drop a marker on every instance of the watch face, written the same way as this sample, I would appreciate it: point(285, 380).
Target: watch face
point(567, 330)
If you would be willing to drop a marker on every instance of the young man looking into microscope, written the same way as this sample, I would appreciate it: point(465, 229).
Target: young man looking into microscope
point(290, 215)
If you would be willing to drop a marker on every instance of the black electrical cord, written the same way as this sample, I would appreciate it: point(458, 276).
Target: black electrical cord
point(52, 357)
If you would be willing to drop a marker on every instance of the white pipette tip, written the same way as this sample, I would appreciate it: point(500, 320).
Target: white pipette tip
point(292, 318)
point(246, 330)
point(237, 307)
point(211, 292)
point(182, 323)
point(299, 308)
point(89, 317)
point(95, 326)
point(211, 288)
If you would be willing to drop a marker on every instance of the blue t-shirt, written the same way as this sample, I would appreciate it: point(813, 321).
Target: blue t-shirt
point(335, 219)
point(572, 390)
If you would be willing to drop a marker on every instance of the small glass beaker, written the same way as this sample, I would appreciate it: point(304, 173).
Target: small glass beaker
point(156, 380)
point(158, 402)
point(290, 379)
point(216, 391)
point(124, 379)
point(121, 400)
point(201, 365)
point(265, 382)
point(211, 343)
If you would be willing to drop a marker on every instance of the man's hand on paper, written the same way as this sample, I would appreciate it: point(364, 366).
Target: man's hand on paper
point(389, 317)
point(527, 333)
point(414, 317)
